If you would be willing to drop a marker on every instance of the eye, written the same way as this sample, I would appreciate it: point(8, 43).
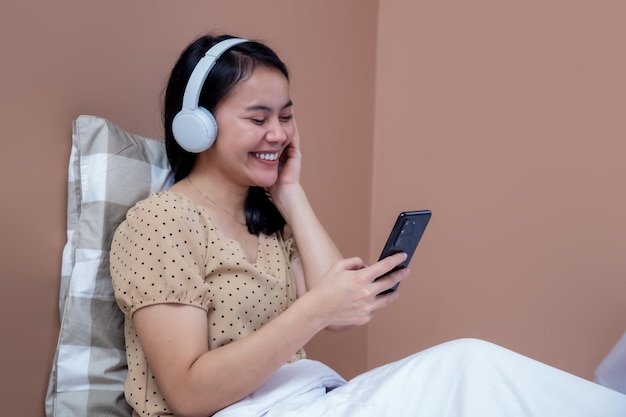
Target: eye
point(258, 121)
point(286, 118)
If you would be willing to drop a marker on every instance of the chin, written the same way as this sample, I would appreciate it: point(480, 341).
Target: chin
point(265, 182)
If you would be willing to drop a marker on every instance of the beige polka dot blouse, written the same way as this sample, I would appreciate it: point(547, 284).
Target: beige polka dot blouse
point(168, 251)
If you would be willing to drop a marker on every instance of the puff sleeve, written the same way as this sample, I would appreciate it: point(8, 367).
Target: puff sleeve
point(158, 255)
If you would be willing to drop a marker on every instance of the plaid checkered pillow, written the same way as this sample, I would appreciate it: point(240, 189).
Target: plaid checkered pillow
point(109, 171)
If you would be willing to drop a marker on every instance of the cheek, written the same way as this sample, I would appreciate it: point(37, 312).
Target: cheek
point(290, 130)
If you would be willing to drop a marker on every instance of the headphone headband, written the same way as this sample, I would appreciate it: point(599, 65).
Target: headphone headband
point(202, 70)
point(194, 127)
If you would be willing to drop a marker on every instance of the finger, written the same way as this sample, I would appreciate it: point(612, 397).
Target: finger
point(292, 145)
point(296, 133)
point(351, 264)
point(390, 280)
point(387, 264)
point(383, 300)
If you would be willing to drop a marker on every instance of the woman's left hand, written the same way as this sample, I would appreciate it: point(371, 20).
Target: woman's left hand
point(289, 167)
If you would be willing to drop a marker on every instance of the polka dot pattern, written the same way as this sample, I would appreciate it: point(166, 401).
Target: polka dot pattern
point(168, 251)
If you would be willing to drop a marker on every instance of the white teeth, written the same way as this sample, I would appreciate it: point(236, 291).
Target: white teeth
point(267, 156)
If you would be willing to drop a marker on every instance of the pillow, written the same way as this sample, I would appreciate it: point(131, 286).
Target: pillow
point(109, 171)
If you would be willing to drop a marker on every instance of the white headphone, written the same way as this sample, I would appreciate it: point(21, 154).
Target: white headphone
point(194, 127)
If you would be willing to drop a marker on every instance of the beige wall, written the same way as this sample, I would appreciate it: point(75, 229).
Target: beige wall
point(505, 121)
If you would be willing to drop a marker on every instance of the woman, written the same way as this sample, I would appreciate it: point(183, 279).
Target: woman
point(217, 295)
point(207, 276)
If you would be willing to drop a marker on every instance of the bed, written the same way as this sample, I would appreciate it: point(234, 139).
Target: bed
point(110, 170)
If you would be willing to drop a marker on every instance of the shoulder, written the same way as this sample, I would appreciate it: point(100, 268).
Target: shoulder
point(165, 213)
point(167, 206)
point(163, 202)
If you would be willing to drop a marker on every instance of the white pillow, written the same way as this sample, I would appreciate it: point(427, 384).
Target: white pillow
point(109, 171)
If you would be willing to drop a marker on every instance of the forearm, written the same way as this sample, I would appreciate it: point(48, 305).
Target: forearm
point(220, 377)
point(317, 250)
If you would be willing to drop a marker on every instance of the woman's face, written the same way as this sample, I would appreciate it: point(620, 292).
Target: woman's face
point(255, 124)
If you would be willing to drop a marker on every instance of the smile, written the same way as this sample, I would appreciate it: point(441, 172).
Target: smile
point(267, 156)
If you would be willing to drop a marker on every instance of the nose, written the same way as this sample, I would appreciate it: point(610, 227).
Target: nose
point(276, 131)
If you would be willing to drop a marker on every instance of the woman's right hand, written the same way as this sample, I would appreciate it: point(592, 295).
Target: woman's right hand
point(349, 293)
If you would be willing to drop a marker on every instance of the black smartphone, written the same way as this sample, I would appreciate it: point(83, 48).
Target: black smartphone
point(404, 237)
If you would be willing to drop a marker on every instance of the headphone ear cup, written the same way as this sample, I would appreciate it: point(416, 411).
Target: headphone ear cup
point(194, 130)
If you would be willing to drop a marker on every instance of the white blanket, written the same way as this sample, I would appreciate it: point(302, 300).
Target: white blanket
point(300, 382)
point(464, 378)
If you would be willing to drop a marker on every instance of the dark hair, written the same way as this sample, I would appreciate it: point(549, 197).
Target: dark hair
point(235, 65)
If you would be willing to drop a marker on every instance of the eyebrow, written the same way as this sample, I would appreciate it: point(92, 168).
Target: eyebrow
point(266, 108)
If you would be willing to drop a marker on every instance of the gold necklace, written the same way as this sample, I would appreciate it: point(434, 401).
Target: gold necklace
point(214, 203)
